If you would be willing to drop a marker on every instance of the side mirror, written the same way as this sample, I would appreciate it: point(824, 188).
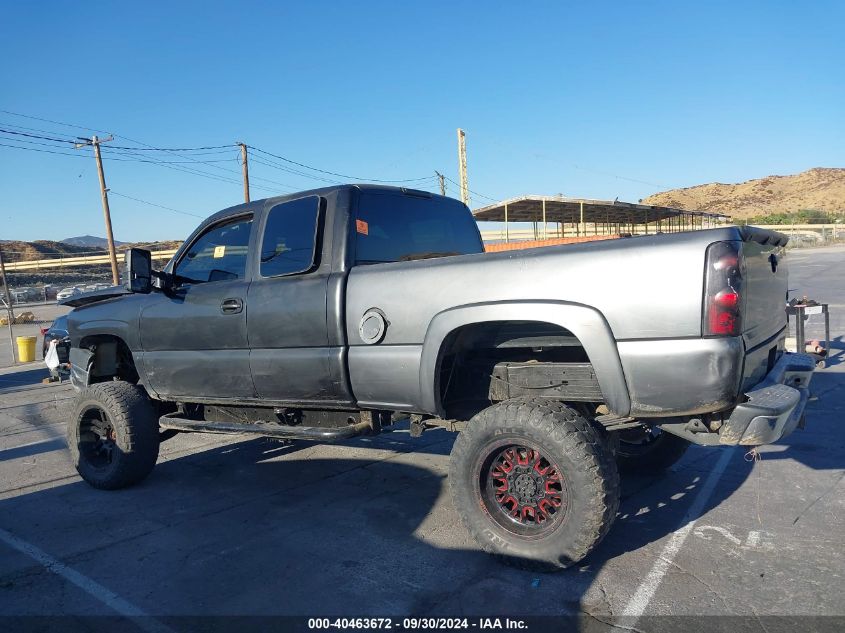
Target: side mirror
point(139, 267)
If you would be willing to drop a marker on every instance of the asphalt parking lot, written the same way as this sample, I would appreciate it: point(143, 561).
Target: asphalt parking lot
point(229, 526)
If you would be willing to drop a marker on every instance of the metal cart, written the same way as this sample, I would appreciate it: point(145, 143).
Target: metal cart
point(801, 312)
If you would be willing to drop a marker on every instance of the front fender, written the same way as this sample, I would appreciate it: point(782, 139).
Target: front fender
point(80, 368)
point(586, 323)
point(108, 327)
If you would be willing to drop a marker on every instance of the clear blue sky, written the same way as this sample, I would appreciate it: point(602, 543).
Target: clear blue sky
point(586, 99)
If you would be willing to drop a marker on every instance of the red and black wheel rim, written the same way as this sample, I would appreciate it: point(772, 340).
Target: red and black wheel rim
point(522, 489)
point(97, 438)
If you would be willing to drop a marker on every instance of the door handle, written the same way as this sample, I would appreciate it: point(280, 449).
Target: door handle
point(231, 306)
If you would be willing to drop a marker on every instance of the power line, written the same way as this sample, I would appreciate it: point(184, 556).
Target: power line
point(24, 127)
point(173, 149)
point(194, 171)
point(153, 204)
point(333, 173)
point(216, 152)
point(28, 142)
point(209, 163)
point(165, 162)
point(35, 118)
point(471, 191)
point(45, 151)
point(268, 163)
point(147, 145)
point(224, 148)
point(105, 156)
point(124, 150)
point(45, 138)
point(262, 161)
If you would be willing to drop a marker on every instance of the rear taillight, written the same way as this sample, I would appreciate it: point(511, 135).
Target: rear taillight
point(724, 283)
point(44, 330)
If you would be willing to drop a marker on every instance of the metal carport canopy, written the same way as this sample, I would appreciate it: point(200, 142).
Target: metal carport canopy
point(563, 209)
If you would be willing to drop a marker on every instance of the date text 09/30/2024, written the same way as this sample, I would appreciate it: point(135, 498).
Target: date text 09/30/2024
point(417, 623)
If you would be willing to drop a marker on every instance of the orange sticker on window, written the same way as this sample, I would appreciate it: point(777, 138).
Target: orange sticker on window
point(362, 227)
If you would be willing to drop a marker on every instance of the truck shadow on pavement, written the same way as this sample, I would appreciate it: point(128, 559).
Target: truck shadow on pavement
point(26, 378)
point(262, 528)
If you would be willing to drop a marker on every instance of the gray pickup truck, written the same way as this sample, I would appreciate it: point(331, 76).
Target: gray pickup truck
point(334, 313)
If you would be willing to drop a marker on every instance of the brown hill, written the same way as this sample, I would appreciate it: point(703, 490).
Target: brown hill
point(15, 251)
point(820, 188)
point(165, 245)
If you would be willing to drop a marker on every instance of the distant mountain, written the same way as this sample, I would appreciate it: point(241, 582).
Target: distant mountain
point(90, 241)
point(17, 251)
point(820, 189)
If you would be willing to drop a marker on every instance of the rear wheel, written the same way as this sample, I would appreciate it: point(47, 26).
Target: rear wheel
point(113, 435)
point(534, 483)
point(648, 450)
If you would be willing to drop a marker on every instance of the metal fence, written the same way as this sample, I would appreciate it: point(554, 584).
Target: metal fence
point(809, 235)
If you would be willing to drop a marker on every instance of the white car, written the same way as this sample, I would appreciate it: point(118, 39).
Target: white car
point(67, 293)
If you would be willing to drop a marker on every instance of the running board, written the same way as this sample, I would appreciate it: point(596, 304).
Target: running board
point(267, 429)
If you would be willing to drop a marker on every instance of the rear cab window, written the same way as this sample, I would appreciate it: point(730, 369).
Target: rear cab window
point(394, 227)
point(289, 244)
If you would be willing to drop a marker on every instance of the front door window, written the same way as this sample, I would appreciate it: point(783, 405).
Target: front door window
point(219, 254)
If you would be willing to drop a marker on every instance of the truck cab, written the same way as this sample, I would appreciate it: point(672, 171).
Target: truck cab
point(257, 292)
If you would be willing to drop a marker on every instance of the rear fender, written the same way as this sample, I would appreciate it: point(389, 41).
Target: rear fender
point(586, 323)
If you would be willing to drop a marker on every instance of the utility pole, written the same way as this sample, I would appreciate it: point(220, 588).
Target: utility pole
point(104, 193)
point(10, 312)
point(442, 180)
point(462, 166)
point(246, 171)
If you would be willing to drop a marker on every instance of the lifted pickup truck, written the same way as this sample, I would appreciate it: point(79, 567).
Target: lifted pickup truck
point(333, 313)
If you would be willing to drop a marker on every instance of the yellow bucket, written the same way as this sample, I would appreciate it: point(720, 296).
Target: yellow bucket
point(26, 349)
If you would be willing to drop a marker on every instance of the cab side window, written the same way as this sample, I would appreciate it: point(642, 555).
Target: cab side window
point(219, 254)
point(290, 237)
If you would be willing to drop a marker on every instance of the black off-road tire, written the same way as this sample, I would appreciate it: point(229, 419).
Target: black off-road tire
point(572, 444)
point(653, 456)
point(113, 435)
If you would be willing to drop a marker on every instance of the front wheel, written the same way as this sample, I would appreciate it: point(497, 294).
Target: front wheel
point(113, 435)
point(534, 483)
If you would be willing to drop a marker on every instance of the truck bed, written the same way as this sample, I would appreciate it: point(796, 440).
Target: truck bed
point(646, 291)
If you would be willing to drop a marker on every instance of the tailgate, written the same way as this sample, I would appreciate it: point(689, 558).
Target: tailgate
point(765, 285)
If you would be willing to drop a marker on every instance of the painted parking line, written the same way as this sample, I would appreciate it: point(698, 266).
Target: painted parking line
point(645, 592)
point(104, 595)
